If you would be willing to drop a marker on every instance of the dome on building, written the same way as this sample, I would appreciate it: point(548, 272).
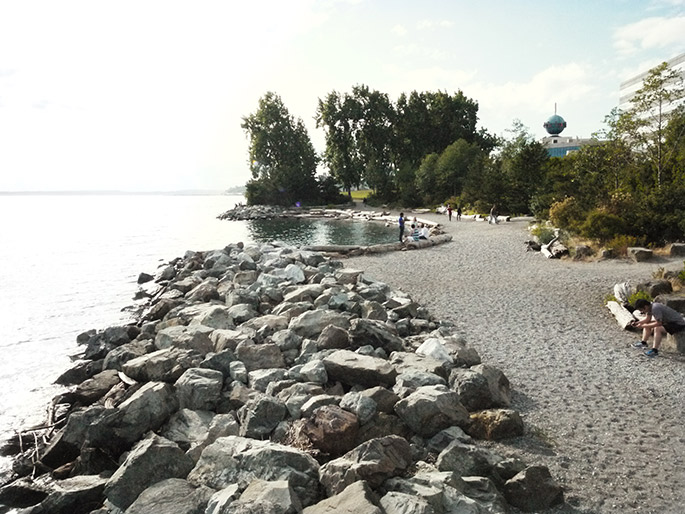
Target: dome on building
point(554, 125)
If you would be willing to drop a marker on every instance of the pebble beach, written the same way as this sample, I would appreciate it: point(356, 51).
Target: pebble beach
point(605, 419)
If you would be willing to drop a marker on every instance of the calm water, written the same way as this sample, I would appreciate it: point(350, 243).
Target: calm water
point(70, 263)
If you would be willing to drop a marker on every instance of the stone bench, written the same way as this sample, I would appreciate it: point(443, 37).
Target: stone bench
point(674, 343)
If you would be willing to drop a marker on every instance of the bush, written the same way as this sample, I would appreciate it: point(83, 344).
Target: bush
point(543, 234)
point(644, 295)
point(566, 214)
point(619, 244)
point(602, 225)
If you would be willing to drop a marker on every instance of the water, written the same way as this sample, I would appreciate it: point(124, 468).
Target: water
point(70, 263)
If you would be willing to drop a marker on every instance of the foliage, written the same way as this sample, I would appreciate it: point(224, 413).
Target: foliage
point(566, 214)
point(329, 192)
point(602, 225)
point(543, 234)
point(360, 194)
point(619, 244)
point(282, 158)
point(637, 295)
point(681, 274)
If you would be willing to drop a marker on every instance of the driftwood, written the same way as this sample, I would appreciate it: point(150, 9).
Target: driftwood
point(623, 316)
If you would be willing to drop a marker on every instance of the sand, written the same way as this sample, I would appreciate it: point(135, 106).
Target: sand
point(605, 419)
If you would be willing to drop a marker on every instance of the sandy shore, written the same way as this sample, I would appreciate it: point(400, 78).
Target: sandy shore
point(607, 421)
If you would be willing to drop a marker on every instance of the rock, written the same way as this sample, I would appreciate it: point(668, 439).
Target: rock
point(151, 460)
point(116, 430)
point(217, 317)
point(384, 399)
point(305, 293)
point(171, 496)
point(199, 389)
point(162, 366)
point(409, 361)
point(357, 498)
point(655, 287)
point(309, 405)
point(102, 342)
point(353, 369)
point(496, 424)
point(92, 389)
point(260, 379)
point(431, 409)
point(117, 357)
point(582, 252)
point(239, 372)
point(262, 497)
point(677, 250)
point(290, 310)
point(674, 301)
point(444, 438)
point(188, 427)
point(333, 337)
point(500, 389)
point(409, 381)
point(373, 310)
point(373, 461)
point(80, 371)
point(465, 459)
point(237, 460)
point(473, 388)
point(675, 342)
point(434, 348)
point(242, 312)
point(362, 406)
point(533, 490)
point(311, 323)
point(144, 277)
point(639, 254)
point(220, 362)
point(76, 495)
point(260, 356)
point(376, 333)
point(195, 337)
point(401, 503)
point(260, 415)
point(331, 430)
point(315, 371)
point(220, 501)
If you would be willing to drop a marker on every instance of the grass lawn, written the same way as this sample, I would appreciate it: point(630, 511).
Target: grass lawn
point(360, 194)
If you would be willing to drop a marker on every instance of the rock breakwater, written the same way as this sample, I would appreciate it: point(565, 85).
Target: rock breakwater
point(275, 380)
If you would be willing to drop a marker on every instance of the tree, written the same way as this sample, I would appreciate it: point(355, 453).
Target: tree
point(644, 124)
point(453, 166)
point(282, 157)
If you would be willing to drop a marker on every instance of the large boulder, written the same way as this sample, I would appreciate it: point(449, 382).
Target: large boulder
point(172, 496)
point(331, 430)
point(199, 389)
point(373, 461)
point(163, 365)
point(151, 460)
point(260, 356)
point(188, 428)
point(466, 459)
point(76, 495)
point(260, 415)
point(356, 498)
point(192, 337)
point(431, 409)
point(533, 490)
point(92, 389)
point(354, 369)
point(311, 323)
point(237, 460)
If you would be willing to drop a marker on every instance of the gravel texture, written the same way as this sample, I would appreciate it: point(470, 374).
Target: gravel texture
point(605, 419)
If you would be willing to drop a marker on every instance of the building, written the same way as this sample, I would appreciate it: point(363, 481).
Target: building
point(556, 144)
point(628, 88)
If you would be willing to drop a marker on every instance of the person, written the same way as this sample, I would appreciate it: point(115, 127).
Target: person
point(659, 320)
point(458, 212)
point(424, 232)
point(401, 227)
point(449, 212)
point(493, 214)
point(414, 236)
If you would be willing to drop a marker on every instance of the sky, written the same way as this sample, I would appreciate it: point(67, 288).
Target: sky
point(148, 95)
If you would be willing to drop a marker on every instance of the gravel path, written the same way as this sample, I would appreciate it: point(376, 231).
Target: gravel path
point(606, 420)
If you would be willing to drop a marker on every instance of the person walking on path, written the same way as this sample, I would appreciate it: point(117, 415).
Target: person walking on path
point(401, 220)
point(449, 212)
point(660, 320)
point(459, 213)
point(493, 215)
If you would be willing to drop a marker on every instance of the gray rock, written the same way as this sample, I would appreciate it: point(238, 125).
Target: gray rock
point(215, 316)
point(311, 323)
point(304, 293)
point(409, 381)
point(204, 292)
point(533, 490)
point(353, 369)
point(260, 356)
point(171, 496)
point(260, 379)
point(442, 439)
point(227, 339)
point(116, 357)
point(151, 460)
point(409, 361)
point(311, 404)
point(266, 325)
point(373, 310)
point(242, 312)
point(498, 383)
point(402, 503)
point(199, 388)
point(376, 333)
point(237, 460)
point(188, 427)
point(291, 310)
point(362, 406)
point(220, 501)
point(384, 399)
point(220, 361)
point(72, 495)
point(194, 337)
point(260, 415)
point(466, 459)
point(333, 337)
point(286, 340)
point(431, 409)
point(655, 287)
point(262, 497)
point(92, 389)
point(373, 461)
point(677, 250)
point(357, 498)
point(315, 371)
point(639, 254)
point(473, 388)
point(238, 371)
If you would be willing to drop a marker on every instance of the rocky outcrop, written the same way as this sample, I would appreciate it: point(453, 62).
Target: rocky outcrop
point(269, 379)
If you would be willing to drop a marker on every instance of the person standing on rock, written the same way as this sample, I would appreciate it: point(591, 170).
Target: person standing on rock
point(401, 227)
point(659, 320)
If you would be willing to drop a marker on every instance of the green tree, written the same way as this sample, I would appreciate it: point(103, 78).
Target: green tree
point(453, 166)
point(282, 157)
point(427, 178)
point(644, 124)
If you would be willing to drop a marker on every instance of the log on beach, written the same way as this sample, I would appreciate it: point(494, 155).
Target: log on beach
point(623, 316)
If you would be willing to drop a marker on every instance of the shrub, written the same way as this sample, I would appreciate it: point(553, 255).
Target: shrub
point(566, 214)
point(602, 225)
point(639, 295)
point(620, 244)
point(543, 234)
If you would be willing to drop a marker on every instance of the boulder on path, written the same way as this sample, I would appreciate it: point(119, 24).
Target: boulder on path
point(533, 490)
point(639, 254)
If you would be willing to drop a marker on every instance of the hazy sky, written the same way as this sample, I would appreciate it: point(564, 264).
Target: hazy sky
point(148, 95)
